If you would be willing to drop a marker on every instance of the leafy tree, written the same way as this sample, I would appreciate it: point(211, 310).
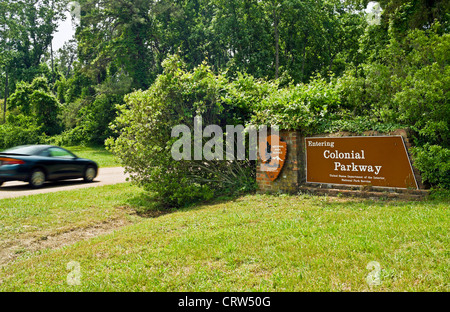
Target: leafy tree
point(66, 57)
point(409, 83)
point(8, 30)
point(113, 36)
point(26, 31)
point(417, 14)
point(36, 100)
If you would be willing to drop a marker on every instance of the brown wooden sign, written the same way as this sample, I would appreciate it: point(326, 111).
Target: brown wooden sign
point(377, 161)
point(273, 155)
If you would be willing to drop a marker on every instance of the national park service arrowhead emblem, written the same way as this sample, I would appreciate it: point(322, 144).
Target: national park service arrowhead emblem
point(273, 155)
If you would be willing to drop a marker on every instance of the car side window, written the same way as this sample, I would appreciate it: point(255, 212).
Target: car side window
point(60, 153)
point(44, 153)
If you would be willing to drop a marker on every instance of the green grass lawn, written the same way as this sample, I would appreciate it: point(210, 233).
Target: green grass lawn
point(50, 213)
point(98, 154)
point(251, 243)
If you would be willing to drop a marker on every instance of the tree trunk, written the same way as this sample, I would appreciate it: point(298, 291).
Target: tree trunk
point(69, 67)
point(304, 58)
point(6, 95)
point(277, 44)
point(51, 56)
point(330, 67)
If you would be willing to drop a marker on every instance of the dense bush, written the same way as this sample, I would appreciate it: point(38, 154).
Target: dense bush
point(301, 107)
point(145, 126)
point(71, 137)
point(96, 117)
point(408, 84)
point(20, 130)
point(318, 107)
point(87, 111)
point(434, 163)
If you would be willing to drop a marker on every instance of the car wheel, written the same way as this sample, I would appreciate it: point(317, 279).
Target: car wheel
point(37, 178)
point(89, 174)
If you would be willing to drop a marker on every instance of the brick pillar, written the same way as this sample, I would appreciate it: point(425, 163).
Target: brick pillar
point(292, 174)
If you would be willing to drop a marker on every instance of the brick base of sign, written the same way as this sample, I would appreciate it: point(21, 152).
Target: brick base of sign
point(293, 175)
point(363, 192)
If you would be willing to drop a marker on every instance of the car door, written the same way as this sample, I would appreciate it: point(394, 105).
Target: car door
point(65, 164)
point(51, 166)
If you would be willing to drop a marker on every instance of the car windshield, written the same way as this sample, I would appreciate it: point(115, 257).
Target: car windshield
point(24, 150)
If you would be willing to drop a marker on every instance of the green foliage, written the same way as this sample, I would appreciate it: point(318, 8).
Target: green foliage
point(265, 39)
point(409, 84)
point(434, 163)
point(88, 110)
point(301, 107)
point(145, 124)
point(244, 93)
point(96, 117)
point(78, 86)
point(20, 130)
point(45, 109)
point(68, 137)
point(440, 194)
point(356, 124)
point(328, 71)
point(423, 96)
point(35, 100)
point(70, 114)
point(26, 32)
point(319, 107)
point(405, 15)
point(128, 46)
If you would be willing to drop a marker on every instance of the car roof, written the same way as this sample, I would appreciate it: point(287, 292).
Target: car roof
point(27, 149)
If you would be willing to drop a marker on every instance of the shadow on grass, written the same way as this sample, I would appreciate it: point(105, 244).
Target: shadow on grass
point(18, 186)
point(147, 206)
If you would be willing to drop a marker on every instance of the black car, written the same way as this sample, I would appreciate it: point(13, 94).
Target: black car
point(37, 164)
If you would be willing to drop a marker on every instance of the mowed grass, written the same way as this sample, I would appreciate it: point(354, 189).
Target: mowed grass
point(53, 213)
point(251, 243)
point(99, 154)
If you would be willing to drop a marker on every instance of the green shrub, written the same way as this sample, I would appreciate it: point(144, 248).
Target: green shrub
point(440, 194)
point(144, 128)
point(302, 107)
point(433, 161)
point(356, 124)
point(20, 130)
point(96, 117)
point(71, 137)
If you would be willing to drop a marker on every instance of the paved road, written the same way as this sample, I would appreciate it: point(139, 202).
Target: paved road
point(106, 176)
